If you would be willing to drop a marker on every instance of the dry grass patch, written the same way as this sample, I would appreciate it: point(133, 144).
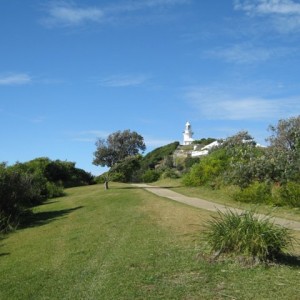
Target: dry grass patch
point(184, 220)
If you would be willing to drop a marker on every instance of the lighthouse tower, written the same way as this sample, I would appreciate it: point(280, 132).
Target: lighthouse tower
point(188, 134)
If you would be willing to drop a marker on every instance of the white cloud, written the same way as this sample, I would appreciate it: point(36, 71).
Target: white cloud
point(266, 7)
point(283, 14)
point(15, 79)
point(67, 14)
point(247, 53)
point(223, 104)
point(123, 80)
point(240, 54)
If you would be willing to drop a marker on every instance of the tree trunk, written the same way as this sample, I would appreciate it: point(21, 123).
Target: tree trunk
point(106, 185)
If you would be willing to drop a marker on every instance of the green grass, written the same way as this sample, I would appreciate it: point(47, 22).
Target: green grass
point(224, 196)
point(247, 235)
point(126, 243)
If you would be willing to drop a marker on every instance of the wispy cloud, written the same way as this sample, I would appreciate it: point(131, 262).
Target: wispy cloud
point(222, 104)
point(68, 14)
point(122, 80)
point(61, 13)
point(15, 79)
point(87, 136)
point(284, 14)
point(247, 53)
point(267, 7)
point(145, 4)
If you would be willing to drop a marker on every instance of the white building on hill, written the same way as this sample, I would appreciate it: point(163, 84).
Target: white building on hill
point(188, 134)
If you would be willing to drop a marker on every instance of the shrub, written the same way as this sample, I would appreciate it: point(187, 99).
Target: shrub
point(170, 173)
point(207, 171)
point(16, 194)
point(290, 194)
point(100, 179)
point(190, 161)
point(257, 192)
point(150, 176)
point(117, 177)
point(246, 235)
point(54, 190)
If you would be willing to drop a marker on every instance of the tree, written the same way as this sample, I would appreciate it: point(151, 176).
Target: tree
point(284, 148)
point(126, 170)
point(117, 147)
point(286, 135)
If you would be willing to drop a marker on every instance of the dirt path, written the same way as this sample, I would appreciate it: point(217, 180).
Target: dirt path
point(207, 205)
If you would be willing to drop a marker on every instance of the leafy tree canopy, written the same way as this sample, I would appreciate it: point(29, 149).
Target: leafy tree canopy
point(286, 135)
point(118, 146)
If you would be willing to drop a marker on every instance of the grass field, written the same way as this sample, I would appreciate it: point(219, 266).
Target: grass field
point(125, 243)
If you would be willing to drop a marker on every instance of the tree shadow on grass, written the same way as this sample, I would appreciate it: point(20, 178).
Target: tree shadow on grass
point(48, 202)
point(288, 260)
point(43, 218)
point(143, 187)
point(1, 245)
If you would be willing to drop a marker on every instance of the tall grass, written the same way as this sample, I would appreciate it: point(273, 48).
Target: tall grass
point(246, 234)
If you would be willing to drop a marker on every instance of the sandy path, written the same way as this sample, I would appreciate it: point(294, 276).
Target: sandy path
point(207, 205)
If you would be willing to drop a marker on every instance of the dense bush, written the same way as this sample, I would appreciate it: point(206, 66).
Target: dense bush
point(207, 171)
point(126, 170)
point(150, 176)
point(25, 185)
point(117, 177)
point(246, 235)
point(169, 173)
point(54, 190)
point(290, 194)
point(18, 191)
point(256, 192)
point(190, 161)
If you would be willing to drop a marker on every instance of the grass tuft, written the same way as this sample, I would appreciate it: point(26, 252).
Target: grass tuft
point(247, 235)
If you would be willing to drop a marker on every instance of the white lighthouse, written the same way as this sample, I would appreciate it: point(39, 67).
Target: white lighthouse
point(188, 134)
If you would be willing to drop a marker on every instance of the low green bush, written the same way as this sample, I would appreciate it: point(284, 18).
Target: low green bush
point(246, 235)
point(208, 171)
point(117, 177)
point(54, 190)
point(170, 173)
point(150, 176)
point(290, 194)
point(257, 192)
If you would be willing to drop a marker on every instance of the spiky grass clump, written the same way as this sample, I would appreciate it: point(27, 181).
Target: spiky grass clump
point(247, 235)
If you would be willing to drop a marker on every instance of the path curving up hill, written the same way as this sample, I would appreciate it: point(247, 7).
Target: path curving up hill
point(208, 205)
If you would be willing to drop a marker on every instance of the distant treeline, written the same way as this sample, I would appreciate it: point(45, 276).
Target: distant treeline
point(25, 185)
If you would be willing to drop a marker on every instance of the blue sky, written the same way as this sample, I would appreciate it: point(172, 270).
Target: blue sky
point(72, 71)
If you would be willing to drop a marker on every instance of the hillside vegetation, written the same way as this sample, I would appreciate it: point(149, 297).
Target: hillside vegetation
point(28, 184)
point(256, 174)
